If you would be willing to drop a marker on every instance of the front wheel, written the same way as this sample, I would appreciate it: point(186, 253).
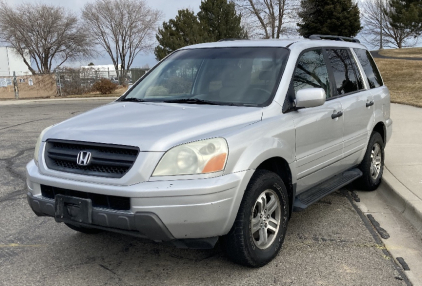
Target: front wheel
point(261, 223)
point(372, 165)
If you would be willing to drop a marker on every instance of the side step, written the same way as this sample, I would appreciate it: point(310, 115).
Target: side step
point(313, 195)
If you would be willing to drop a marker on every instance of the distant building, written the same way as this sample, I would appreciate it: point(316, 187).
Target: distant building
point(11, 62)
point(101, 71)
point(109, 72)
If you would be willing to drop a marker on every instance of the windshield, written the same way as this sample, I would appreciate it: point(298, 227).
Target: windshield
point(224, 76)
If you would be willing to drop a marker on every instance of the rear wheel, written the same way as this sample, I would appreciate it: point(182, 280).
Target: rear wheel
point(261, 223)
point(372, 165)
point(83, 229)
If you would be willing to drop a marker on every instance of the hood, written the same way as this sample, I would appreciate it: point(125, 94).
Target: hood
point(153, 126)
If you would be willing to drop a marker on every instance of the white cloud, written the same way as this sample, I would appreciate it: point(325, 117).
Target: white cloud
point(170, 7)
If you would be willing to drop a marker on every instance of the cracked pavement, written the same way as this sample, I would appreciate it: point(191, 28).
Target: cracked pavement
point(328, 244)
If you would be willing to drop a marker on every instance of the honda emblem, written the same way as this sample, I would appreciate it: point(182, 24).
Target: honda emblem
point(84, 158)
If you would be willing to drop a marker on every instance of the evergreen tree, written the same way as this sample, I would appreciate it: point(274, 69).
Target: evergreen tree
point(182, 31)
point(329, 17)
point(216, 20)
point(219, 20)
point(406, 15)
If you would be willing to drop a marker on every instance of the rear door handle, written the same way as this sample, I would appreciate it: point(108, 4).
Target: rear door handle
point(370, 103)
point(336, 115)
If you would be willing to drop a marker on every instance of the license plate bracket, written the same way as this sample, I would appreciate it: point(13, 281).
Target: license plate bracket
point(73, 209)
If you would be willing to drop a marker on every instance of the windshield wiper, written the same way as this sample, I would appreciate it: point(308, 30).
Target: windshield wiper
point(192, 101)
point(133, 99)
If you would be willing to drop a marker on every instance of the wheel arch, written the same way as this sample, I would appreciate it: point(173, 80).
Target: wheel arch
point(281, 167)
point(381, 129)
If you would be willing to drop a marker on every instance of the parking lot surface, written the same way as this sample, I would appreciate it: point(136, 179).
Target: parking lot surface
point(328, 244)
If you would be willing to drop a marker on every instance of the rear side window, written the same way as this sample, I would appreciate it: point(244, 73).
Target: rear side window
point(369, 67)
point(346, 75)
point(357, 72)
point(311, 72)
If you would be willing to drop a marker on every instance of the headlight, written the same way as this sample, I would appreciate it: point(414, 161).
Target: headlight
point(37, 146)
point(201, 157)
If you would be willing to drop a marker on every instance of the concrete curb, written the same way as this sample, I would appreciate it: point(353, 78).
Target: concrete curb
point(402, 199)
point(23, 101)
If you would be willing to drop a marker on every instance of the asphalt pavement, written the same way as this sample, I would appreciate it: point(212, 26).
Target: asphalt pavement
point(331, 243)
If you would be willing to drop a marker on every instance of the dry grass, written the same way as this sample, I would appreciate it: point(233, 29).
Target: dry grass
point(404, 80)
point(119, 91)
point(402, 53)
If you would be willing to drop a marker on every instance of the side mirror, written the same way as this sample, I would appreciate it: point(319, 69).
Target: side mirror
point(310, 97)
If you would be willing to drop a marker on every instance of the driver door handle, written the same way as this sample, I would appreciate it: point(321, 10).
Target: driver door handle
point(370, 103)
point(336, 115)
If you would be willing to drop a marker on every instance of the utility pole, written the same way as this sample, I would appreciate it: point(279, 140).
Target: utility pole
point(15, 86)
point(59, 83)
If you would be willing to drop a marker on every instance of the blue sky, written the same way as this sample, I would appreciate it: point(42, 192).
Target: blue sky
point(168, 7)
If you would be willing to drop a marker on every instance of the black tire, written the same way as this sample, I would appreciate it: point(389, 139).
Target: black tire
point(239, 244)
point(367, 182)
point(84, 230)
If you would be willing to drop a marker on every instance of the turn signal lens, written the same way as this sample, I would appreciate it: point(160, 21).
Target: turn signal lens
point(215, 164)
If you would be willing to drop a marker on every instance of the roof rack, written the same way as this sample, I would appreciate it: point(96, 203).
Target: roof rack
point(335, 38)
point(231, 39)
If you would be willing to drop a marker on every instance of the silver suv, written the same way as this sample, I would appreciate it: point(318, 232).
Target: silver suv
point(219, 140)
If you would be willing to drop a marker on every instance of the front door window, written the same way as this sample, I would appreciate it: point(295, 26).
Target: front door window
point(311, 72)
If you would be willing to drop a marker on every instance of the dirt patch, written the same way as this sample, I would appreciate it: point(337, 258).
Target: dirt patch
point(30, 86)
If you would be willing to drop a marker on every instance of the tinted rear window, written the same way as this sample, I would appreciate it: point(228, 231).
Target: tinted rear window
point(347, 78)
point(357, 71)
point(369, 67)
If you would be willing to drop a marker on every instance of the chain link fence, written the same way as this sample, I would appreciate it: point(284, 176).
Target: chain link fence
point(63, 82)
point(27, 86)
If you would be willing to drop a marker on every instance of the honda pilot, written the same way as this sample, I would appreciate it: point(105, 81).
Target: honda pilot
point(219, 141)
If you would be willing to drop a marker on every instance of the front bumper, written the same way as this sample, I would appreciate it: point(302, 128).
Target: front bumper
point(161, 210)
point(146, 225)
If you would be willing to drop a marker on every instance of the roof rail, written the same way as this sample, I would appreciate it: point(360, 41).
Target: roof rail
point(231, 39)
point(335, 38)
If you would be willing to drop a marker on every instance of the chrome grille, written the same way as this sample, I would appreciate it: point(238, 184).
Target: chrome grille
point(112, 161)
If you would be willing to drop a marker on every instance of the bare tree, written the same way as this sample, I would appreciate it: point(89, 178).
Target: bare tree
point(377, 27)
point(123, 28)
point(269, 18)
point(48, 33)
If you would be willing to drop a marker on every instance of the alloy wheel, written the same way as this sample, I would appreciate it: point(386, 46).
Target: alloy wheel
point(265, 220)
point(376, 161)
